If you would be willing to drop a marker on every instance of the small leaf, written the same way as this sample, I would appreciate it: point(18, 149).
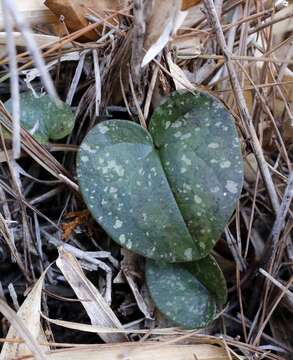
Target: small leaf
point(208, 272)
point(179, 295)
point(168, 196)
point(43, 118)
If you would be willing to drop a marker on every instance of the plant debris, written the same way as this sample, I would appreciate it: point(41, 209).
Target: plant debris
point(117, 60)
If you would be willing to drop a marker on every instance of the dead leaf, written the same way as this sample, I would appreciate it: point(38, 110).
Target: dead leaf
point(95, 305)
point(186, 4)
point(250, 168)
point(164, 20)
point(130, 270)
point(34, 12)
point(180, 80)
point(75, 12)
point(188, 46)
point(143, 351)
point(29, 313)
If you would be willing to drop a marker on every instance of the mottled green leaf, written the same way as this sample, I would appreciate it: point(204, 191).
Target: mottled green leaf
point(179, 295)
point(208, 272)
point(199, 150)
point(43, 118)
point(126, 190)
point(170, 201)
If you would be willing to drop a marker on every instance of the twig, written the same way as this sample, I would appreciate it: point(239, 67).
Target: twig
point(278, 284)
point(264, 323)
point(76, 78)
point(150, 91)
point(138, 108)
point(283, 211)
point(137, 41)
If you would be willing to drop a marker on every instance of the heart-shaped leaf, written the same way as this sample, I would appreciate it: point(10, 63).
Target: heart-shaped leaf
point(169, 203)
point(180, 294)
point(199, 150)
point(43, 118)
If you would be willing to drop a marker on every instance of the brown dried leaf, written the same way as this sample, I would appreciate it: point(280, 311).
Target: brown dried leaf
point(163, 21)
point(189, 45)
point(75, 12)
point(250, 168)
point(180, 80)
point(186, 4)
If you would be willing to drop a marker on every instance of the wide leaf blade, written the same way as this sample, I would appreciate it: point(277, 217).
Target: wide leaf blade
point(179, 295)
point(199, 150)
point(208, 272)
point(126, 190)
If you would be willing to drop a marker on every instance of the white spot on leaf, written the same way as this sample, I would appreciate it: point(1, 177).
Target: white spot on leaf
point(232, 186)
point(186, 160)
point(118, 224)
point(197, 199)
point(188, 254)
point(225, 164)
point(213, 145)
point(122, 238)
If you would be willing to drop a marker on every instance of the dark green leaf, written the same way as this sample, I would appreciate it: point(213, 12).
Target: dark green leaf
point(43, 118)
point(125, 188)
point(208, 272)
point(126, 182)
point(199, 150)
point(179, 295)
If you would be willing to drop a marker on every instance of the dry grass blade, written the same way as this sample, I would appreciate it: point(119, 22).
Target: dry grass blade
point(178, 73)
point(14, 85)
point(96, 307)
point(143, 352)
point(22, 330)
point(29, 313)
point(33, 47)
point(107, 330)
point(5, 233)
point(44, 41)
point(97, 81)
point(34, 12)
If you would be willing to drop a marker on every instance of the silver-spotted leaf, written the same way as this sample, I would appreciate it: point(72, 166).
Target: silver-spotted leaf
point(208, 272)
point(179, 295)
point(170, 200)
point(126, 190)
point(199, 149)
point(43, 118)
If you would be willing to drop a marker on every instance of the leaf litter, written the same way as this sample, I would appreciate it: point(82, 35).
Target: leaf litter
point(255, 252)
